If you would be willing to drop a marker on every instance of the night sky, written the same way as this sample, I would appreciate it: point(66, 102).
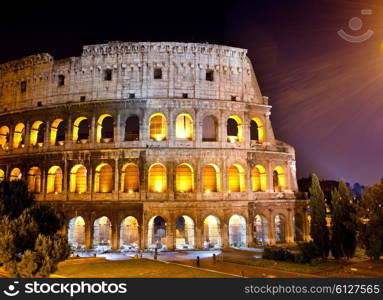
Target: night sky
point(326, 92)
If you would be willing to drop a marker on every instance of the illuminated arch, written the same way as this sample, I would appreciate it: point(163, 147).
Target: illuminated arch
point(279, 179)
point(157, 236)
point(157, 127)
point(157, 178)
point(4, 137)
point(34, 180)
point(19, 136)
point(15, 174)
point(237, 231)
point(80, 129)
point(236, 178)
point(78, 179)
point(103, 179)
point(210, 129)
point(280, 228)
point(234, 129)
point(185, 237)
point(211, 232)
point(184, 127)
point(57, 132)
point(259, 179)
point(76, 233)
point(130, 180)
point(54, 180)
point(256, 130)
point(102, 233)
point(211, 179)
point(104, 131)
point(2, 175)
point(184, 178)
point(129, 233)
point(37, 133)
point(261, 230)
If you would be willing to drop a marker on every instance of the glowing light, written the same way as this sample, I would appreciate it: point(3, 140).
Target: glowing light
point(159, 137)
point(130, 191)
point(232, 139)
point(207, 191)
point(158, 188)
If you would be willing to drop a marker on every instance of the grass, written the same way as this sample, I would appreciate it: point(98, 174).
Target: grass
point(133, 268)
point(287, 266)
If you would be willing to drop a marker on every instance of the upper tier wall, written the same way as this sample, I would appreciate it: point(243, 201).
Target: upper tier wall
point(40, 80)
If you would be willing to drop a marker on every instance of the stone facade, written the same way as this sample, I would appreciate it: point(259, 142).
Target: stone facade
point(255, 178)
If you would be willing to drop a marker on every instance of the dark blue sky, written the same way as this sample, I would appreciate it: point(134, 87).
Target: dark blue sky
point(326, 93)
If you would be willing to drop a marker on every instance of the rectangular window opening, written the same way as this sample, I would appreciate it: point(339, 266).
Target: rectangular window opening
point(108, 74)
point(61, 80)
point(157, 74)
point(210, 75)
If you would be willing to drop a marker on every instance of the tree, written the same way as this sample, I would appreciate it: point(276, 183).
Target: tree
point(31, 244)
point(371, 213)
point(349, 223)
point(319, 230)
point(336, 225)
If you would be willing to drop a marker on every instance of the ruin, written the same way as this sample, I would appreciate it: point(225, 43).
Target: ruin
point(143, 145)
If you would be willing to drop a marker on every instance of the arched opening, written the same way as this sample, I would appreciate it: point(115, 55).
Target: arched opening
point(78, 180)
point(210, 129)
point(102, 233)
point(261, 230)
point(237, 231)
point(4, 137)
point(15, 174)
point(211, 179)
point(280, 229)
point(2, 175)
point(76, 233)
point(185, 233)
point(103, 179)
point(234, 129)
point(279, 179)
point(259, 179)
point(256, 130)
point(157, 233)
point(184, 178)
point(211, 233)
point(34, 180)
point(129, 234)
point(157, 179)
point(130, 181)
point(37, 133)
point(19, 136)
point(105, 129)
point(157, 127)
point(132, 128)
point(184, 127)
point(298, 227)
point(236, 179)
point(81, 130)
point(54, 180)
point(57, 132)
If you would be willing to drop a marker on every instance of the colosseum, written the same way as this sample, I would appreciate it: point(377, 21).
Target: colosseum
point(151, 145)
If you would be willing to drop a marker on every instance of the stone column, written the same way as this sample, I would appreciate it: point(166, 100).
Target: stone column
point(269, 174)
point(170, 182)
point(88, 233)
point(198, 234)
point(68, 132)
point(47, 140)
point(27, 134)
point(271, 228)
point(115, 235)
point(117, 130)
point(289, 227)
point(93, 132)
point(224, 234)
point(249, 233)
point(170, 234)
